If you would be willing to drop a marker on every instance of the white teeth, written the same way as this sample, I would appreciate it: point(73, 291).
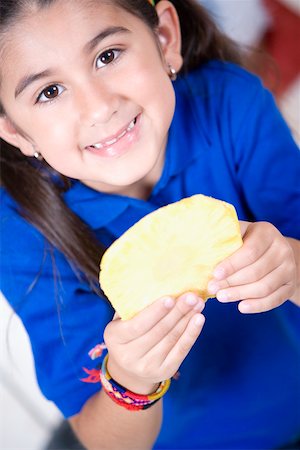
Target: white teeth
point(131, 125)
point(122, 134)
point(113, 141)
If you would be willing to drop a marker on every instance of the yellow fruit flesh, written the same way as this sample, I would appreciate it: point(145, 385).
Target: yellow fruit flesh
point(170, 251)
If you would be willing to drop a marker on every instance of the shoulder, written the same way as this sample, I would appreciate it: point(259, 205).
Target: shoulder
point(228, 75)
point(223, 69)
point(12, 222)
point(224, 97)
point(22, 251)
point(221, 87)
point(7, 203)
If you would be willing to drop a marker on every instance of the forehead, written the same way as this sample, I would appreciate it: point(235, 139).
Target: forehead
point(61, 16)
point(62, 27)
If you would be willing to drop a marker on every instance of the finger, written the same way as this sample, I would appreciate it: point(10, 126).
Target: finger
point(165, 335)
point(144, 320)
point(261, 288)
point(249, 253)
point(152, 316)
point(184, 305)
point(259, 305)
point(184, 344)
point(248, 274)
point(130, 329)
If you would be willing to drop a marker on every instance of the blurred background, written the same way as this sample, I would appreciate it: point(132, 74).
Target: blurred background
point(270, 30)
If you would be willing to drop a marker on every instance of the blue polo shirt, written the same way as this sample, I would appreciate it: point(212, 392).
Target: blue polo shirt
point(239, 387)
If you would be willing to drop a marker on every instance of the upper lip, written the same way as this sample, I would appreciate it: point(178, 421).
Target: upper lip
point(109, 140)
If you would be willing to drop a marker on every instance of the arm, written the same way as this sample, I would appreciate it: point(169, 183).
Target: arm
point(267, 166)
point(106, 425)
point(142, 352)
point(263, 273)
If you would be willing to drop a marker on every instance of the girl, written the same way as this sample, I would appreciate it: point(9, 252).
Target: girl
point(96, 133)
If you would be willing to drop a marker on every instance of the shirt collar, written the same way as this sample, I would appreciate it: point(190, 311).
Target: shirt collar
point(99, 209)
point(93, 207)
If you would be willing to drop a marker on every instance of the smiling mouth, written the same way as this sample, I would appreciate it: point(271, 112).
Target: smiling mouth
point(112, 140)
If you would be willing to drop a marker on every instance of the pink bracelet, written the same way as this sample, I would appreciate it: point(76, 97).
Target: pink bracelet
point(126, 398)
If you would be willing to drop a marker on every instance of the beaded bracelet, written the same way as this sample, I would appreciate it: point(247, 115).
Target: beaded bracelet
point(126, 398)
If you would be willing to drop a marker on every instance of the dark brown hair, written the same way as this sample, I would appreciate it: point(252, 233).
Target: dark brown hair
point(38, 189)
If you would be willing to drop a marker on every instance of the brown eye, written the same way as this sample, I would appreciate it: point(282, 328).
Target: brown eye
point(50, 93)
point(107, 57)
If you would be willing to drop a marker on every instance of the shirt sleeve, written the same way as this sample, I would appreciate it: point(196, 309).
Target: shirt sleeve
point(267, 161)
point(63, 318)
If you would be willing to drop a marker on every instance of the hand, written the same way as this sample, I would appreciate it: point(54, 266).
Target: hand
point(150, 347)
point(262, 273)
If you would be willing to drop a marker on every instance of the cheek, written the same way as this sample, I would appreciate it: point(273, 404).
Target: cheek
point(44, 132)
point(166, 104)
point(53, 133)
point(154, 91)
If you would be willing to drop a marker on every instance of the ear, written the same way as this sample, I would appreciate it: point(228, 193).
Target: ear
point(169, 34)
point(10, 134)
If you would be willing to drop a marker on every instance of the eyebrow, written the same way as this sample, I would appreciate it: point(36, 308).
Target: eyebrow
point(29, 79)
point(109, 31)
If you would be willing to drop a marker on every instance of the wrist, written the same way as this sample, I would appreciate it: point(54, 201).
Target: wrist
point(126, 398)
point(134, 384)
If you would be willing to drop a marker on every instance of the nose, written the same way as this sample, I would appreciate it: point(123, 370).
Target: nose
point(96, 103)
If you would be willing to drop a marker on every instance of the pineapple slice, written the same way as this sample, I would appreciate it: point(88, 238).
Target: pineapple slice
point(168, 252)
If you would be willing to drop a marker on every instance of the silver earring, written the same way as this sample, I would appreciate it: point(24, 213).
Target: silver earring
point(38, 156)
point(172, 73)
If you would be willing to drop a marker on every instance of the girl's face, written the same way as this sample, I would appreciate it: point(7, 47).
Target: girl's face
point(84, 83)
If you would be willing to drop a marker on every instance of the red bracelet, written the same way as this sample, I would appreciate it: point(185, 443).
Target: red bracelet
point(126, 398)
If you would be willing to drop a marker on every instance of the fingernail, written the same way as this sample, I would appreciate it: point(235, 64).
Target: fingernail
point(199, 307)
point(198, 320)
point(219, 273)
point(190, 299)
point(222, 296)
point(213, 287)
point(168, 302)
point(244, 307)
